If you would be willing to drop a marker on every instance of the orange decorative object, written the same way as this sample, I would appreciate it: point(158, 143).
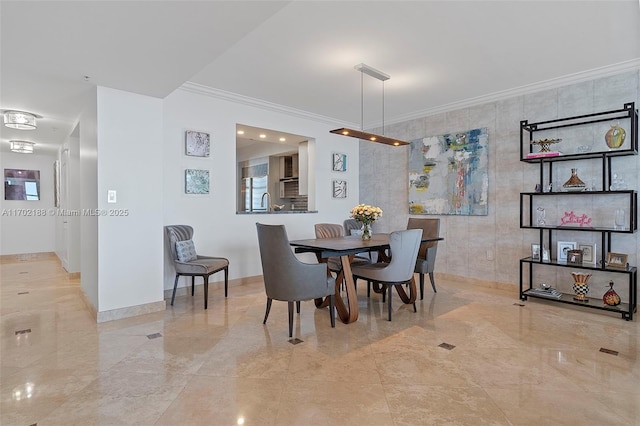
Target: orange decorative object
point(611, 298)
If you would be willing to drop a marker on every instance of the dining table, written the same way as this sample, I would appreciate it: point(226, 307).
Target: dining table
point(346, 248)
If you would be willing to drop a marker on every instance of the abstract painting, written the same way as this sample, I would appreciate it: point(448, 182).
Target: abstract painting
point(196, 181)
point(448, 174)
point(339, 189)
point(197, 143)
point(338, 162)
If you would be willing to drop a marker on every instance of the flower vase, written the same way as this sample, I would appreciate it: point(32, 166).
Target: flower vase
point(366, 231)
point(580, 286)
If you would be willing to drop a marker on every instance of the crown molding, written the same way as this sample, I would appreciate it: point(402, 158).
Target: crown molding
point(554, 83)
point(579, 77)
point(259, 103)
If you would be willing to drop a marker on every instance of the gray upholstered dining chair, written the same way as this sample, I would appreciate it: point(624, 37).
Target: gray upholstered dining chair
point(404, 247)
point(426, 261)
point(354, 225)
point(188, 263)
point(332, 230)
point(350, 225)
point(288, 279)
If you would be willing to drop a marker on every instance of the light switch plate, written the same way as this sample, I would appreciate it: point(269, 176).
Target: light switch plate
point(111, 196)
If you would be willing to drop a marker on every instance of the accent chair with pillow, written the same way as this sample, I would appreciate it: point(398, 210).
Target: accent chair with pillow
point(188, 263)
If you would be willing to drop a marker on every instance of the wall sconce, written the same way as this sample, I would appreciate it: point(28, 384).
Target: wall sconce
point(20, 120)
point(23, 147)
point(361, 134)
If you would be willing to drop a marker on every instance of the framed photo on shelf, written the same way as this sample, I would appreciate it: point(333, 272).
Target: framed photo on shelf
point(574, 257)
point(589, 253)
point(535, 251)
point(339, 189)
point(197, 143)
point(545, 255)
point(563, 249)
point(338, 162)
point(616, 260)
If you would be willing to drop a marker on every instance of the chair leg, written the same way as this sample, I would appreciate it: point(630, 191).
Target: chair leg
point(206, 290)
point(433, 282)
point(384, 293)
point(332, 305)
point(390, 289)
point(290, 318)
point(368, 288)
point(193, 285)
point(298, 307)
point(266, 314)
point(421, 286)
point(175, 285)
point(226, 281)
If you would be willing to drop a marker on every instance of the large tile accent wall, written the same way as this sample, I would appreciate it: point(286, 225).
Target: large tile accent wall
point(489, 247)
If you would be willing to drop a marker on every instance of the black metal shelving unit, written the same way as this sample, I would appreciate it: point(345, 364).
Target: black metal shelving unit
point(528, 264)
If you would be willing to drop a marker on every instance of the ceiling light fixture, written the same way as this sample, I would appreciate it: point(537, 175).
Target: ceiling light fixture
point(361, 134)
point(23, 147)
point(20, 120)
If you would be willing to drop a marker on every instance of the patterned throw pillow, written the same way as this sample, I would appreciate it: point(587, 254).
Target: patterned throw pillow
point(186, 251)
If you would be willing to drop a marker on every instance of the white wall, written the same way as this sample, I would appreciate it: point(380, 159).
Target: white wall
point(130, 246)
point(88, 187)
point(28, 233)
point(219, 231)
point(67, 218)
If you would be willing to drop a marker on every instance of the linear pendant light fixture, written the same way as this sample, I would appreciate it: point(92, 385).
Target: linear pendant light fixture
point(361, 134)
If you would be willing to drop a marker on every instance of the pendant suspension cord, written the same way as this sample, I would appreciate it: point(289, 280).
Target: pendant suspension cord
point(382, 107)
point(361, 100)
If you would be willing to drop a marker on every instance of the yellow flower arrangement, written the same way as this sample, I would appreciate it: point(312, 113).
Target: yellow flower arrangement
point(365, 213)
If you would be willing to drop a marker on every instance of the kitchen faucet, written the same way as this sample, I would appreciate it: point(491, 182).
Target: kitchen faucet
point(269, 200)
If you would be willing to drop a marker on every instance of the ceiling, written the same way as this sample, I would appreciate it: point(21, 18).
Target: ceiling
point(301, 54)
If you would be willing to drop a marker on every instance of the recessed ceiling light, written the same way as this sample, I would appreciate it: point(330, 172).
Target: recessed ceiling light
point(282, 139)
point(241, 132)
point(262, 136)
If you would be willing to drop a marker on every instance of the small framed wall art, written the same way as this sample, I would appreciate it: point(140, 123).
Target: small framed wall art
point(339, 189)
point(338, 162)
point(196, 181)
point(197, 143)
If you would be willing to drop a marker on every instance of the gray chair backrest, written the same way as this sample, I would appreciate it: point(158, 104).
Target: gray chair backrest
point(350, 225)
point(430, 229)
point(285, 276)
point(404, 247)
point(178, 233)
point(328, 230)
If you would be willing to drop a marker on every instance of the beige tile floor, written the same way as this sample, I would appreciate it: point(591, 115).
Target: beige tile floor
point(522, 365)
